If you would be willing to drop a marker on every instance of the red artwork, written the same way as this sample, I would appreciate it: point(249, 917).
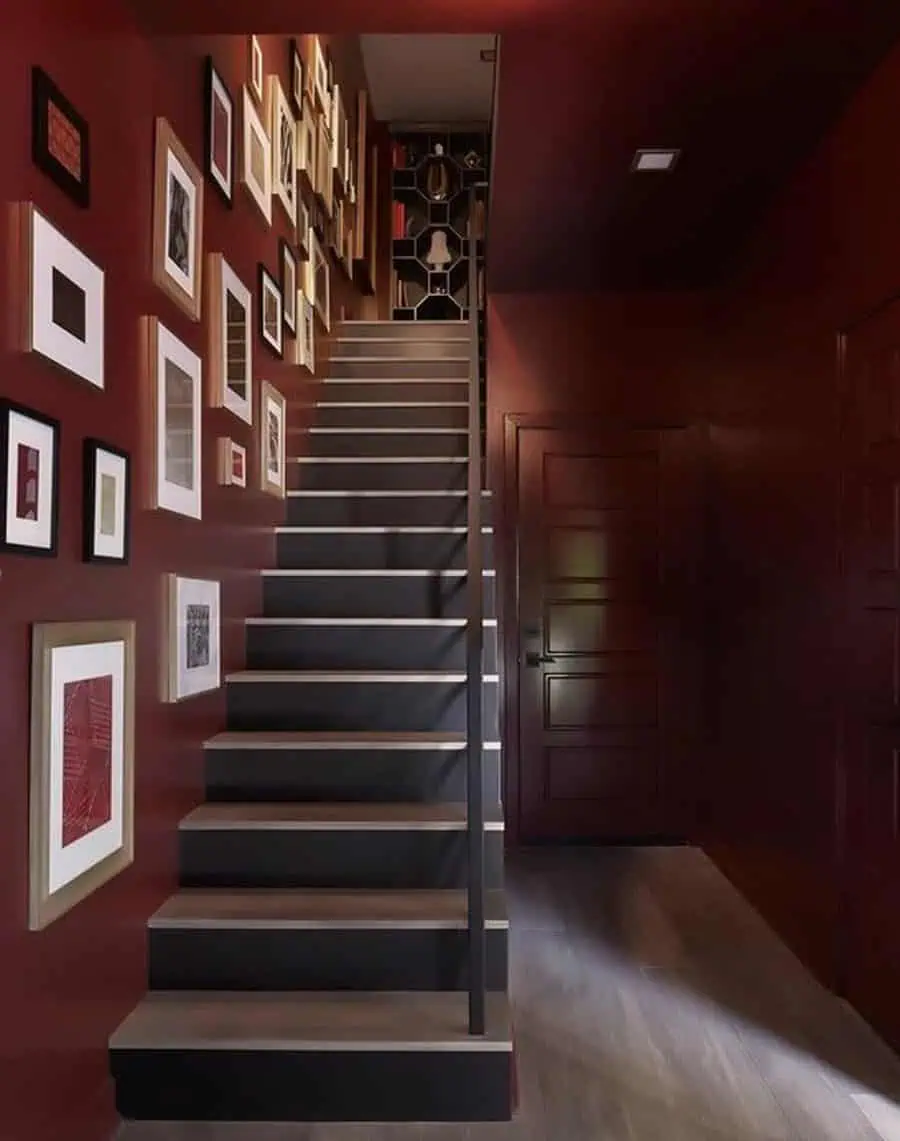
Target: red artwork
point(237, 464)
point(220, 135)
point(87, 757)
point(27, 482)
point(63, 140)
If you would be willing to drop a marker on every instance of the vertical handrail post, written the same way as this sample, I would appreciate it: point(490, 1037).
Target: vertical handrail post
point(474, 659)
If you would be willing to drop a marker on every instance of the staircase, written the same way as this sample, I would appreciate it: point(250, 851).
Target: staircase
point(313, 964)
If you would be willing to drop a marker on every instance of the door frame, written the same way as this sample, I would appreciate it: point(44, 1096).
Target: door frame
point(506, 529)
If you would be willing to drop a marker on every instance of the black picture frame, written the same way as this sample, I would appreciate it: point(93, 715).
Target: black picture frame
point(211, 77)
point(298, 78)
point(264, 281)
point(44, 95)
point(285, 254)
point(92, 446)
point(329, 67)
point(6, 408)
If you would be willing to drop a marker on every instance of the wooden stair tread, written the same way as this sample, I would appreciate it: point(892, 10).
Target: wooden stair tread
point(301, 907)
point(400, 676)
point(324, 815)
point(304, 739)
point(291, 1020)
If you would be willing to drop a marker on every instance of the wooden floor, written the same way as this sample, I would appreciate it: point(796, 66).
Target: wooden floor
point(651, 1004)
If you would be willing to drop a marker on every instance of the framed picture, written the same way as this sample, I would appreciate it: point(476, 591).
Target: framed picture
point(321, 282)
point(257, 159)
point(303, 225)
point(320, 76)
point(271, 309)
point(283, 133)
point(329, 70)
point(192, 641)
point(289, 286)
point(338, 134)
point(175, 377)
point(66, 295)
point(29, 463)
point(107, 503)
point(257, 69)
point(219, 133)
point(177, 221)
point(306, 150)
point(324, 169)
point(230, 365)
point(60, 139)
point(232, 463)
point(306, 334)
point(297, 78)
point(81, 805)
point(272, 440)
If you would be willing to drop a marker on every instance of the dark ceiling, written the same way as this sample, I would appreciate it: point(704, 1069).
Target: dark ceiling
point(744, 87)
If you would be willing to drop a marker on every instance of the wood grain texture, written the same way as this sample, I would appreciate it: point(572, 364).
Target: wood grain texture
point(650, 1001)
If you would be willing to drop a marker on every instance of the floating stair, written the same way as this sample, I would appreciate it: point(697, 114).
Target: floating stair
point(313, 964)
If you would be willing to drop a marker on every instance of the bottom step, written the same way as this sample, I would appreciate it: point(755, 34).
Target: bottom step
point(281, 1056)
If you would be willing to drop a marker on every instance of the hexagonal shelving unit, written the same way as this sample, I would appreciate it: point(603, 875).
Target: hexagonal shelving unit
point(422, 291)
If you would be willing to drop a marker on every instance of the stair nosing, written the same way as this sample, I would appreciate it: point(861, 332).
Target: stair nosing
point(368, 572)
point(382, 431)
point(301, 741)
point(322, 459)
point(353, 677)
point(230, 819)
point(391, 404)
point(363, 621)
point(295, 529)
point(396, 493)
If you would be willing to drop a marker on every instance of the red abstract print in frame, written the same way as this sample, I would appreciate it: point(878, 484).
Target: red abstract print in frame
point(87, 757)
point(28, 470)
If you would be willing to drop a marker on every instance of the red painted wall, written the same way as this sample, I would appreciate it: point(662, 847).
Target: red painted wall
point(757, 361)
point(63, 990)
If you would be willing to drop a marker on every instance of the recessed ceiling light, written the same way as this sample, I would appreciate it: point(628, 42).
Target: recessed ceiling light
point(654, 159)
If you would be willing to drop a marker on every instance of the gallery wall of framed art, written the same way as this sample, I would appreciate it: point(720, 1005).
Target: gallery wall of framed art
point(124, 471)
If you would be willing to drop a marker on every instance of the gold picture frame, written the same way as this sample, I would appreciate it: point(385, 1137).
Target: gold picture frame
point(177, 221)
point(81, 816)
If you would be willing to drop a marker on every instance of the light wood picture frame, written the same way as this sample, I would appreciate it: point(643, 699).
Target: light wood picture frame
point(231, 463)
point(256, 69)
point(177, 221)
point(230, 320)
point(283, 135)
point(306, 151)
point(81, 802)
point(320, 76)
point(306, 334)
point(321, 272)
point(175, 391)
point(192, 637)
point(256, 159)
point(272, 441)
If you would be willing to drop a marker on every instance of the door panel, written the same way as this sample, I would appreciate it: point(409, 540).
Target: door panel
point(872, 755)
point(608, 650)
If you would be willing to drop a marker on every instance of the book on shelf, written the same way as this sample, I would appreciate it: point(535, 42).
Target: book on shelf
point(398, 155)
point(399, 222)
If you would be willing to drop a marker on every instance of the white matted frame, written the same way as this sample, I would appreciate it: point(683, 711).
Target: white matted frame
point(256, 69)
point(289, 270)
point(232, 463)
point(320, 76)
point(81, 809)
point(219, 133)
point(192, 662)
point(230, 310)
point(256, 159)
point(272, 436)
point(306, 334)
point(65, 290)
point(107, 503)
point(271, 312)
point(321, 274)
point(177, 221)
point(283, 136)
point(306, 149)
point(175, 393)
point(29, 470)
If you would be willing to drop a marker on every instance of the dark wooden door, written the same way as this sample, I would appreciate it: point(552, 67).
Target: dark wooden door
point(609, 643)
point(871, 759)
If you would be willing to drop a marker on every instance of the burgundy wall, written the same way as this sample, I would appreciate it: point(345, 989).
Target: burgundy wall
point(63, 990)
point(756, 360)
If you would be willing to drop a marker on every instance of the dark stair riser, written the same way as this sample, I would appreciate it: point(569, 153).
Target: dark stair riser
point(366, 959)
point(328, 1085)
point(397, 369)
point(432, 416)
point(370, 596)
point(415, 332)
point(383, 511)
point(396, 392)
point(346, 776)
point(415, 707)
point(359, 475)
point(336, 858)
point(364, 647)
point(419, 350)
point(361, 444)
point(388, 550)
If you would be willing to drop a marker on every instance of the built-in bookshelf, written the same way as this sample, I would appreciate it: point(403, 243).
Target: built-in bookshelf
point(433, 172)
